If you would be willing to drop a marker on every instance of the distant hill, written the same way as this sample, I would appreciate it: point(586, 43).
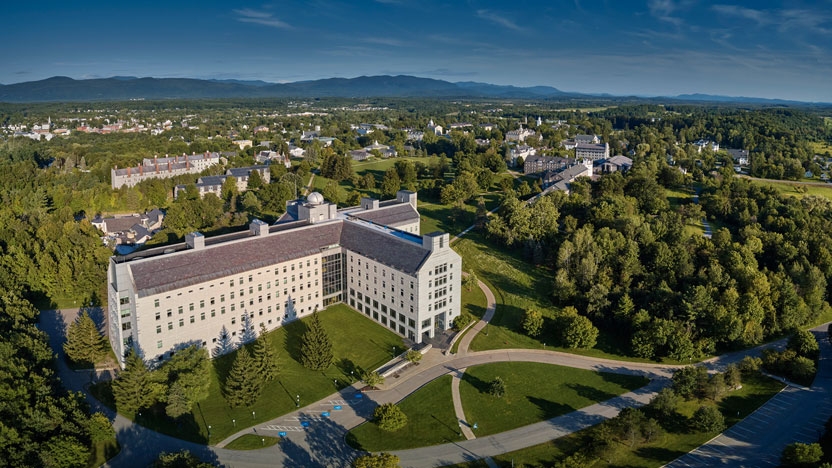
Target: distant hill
point(61, 88)
point(122, 88)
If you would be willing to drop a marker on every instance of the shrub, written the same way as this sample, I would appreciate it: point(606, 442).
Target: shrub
point(750, 364)
point(533, 322)
point(801, 455)
point(497, 388)
point(708, 419)
point(462, 321)
point(378, 460)
point(389, 417)
point(803, 342)
point(373, 379)
point(413, 356)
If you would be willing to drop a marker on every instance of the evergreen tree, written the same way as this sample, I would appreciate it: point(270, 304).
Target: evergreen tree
point(247, 333)
point(255, 181)
point(391, 183)
point(135, 388)
point(316, 348)
point(224, 343)
point(265, 356)
point(84, 343)
point(243, 384)
point(389, 417)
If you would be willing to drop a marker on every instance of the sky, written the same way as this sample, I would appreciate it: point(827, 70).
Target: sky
point(759, 48)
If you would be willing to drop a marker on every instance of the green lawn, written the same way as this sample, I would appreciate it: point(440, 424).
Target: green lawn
point(430, 421)
point(796, 190)
point(475, 303)
point(756, 391)
point(103, 451)
point(252, 442)
point(342, 324)
point(534, 392)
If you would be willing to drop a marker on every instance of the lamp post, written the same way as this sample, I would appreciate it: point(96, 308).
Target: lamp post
point(297, 401)
point(209, 431)
point(252, 415)
point(234, 422)
point(336, 384)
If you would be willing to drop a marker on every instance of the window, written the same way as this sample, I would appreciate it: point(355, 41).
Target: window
point(233, 320)
point(213, 312)
point(158, 315)
point(202, 304)
point(155, 302)
point(192, 319)
point(158, 329)
point(202, 315)
point(250, 278)
point(231, 283)
point(170, 325)
point(212, 301)
point(250, 290)
point(124, 300)
point(181, 322)
point(426, 323)
point(181, 310)
point(191, 307)
point(232, 295)
point(159, 344)
point(170, 312)
point(222, 297)
point(259, 287)
point(222, 310)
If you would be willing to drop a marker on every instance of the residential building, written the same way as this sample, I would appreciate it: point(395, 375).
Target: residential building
point(740, 156)
point(162, 168)
point(616, 163)
point(588, 139)
point(132, 229)
point(213, 184)
point(521, 151)
point(243, 144)
point(702, 144)
point(537, 164)
point(520, 134)
point(561, 180)
point(592, 151)
point(161, 300)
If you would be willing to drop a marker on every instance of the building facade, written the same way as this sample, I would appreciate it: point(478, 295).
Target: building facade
point(160, 168)
point(209, 291)
point(592, 151)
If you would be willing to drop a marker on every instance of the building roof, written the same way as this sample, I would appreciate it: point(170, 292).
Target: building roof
point(242, 253)
point(591, 146)
point(620, 160)
point(393, 215)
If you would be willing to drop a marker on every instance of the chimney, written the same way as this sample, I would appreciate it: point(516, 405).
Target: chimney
point(258, 228)
point(435, 241)
point(195, 240)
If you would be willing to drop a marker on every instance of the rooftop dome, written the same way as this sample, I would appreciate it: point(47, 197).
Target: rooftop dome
point(315, 198)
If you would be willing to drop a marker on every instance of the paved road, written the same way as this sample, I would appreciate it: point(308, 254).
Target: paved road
point(796, 414)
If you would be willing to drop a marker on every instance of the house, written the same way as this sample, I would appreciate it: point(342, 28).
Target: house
point(243, 144)
point(588, 139)
point(520, 134)
point(296, 151)
point(260, 129)
point(436, 129)
point(561, 180)
point(162, 168)
point(521, 151)
point(386, 151)
point(616, 163)
point(414, 135)
point(488, 127)
point(592, 151)
point(702, 144)
point(371, 258)
point(131, 229)
point(360, 155)
point(213, 184)
point(740, 156)
point(460, 126)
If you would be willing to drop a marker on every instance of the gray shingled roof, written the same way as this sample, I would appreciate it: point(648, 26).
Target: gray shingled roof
point(405, 256)
point(395, 215)
point(169, 272)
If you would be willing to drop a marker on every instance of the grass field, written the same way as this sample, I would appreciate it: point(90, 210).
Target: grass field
point(475, 303)
point(796, 190)
point(342, 324)
point(676, 442)
point(534, 392)
point(103, 451)
point(252, 442)
point(430, 421)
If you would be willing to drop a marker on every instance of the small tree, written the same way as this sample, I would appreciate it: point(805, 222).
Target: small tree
point(533, 322)
point(373, 379)
point(389, 417)
point(716, 387)
point(733, 376)
point(470, 281)
point(578, 332)
point(665, 402)
point(135, 388)
point(255, 180)
point(247, 333)
point(413, 356)
point(708, 419)
point(265, 356)
point(803, 342)
point(243, 384)
point(99, 428)
point(378, 460)
point(183, 459)
point(84, 343)
point(750, 364)
point(315, 348)
point(801, 455)
point(224, 343)
point(497, 387)
point(462, 320)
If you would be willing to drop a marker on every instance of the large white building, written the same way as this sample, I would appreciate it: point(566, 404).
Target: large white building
point(370, 257)
point(161, 168)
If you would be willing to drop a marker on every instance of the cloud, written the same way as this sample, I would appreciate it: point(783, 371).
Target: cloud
point(489, 15)
point(664, 9)
point(758, 16)
point(247, 15)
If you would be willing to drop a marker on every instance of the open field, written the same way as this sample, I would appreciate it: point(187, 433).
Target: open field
point(430, 421)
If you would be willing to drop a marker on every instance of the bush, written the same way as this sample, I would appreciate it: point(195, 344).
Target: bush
point(389, 417)
point(373, 379)
point(497, 388)
point(750, 365)
point(801, 455)
point(803, 342)
point(462, 321)
point(378, 460)
point(665, 402)
point(413, 356)
point(708, 419)
point(533, 322)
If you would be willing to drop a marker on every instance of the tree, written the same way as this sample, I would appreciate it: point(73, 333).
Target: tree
point(377, 460)
point(188, 378)
point(801, 455)
point(629, 423)
point(391, 183)
point(265, 356)
point(229, 188)
point(689, 381)
point(373, 379)
point(470, 281)
point(462, 320)
point(99, 428)
point(63, 451)
point(183, 459)
point(708, 419)
point(733, 376)
point(255, 180)
point(331, 192)
point(135, 388)
point(389, 417)
point(413, 356)
point(243, 384)
point(532, 322)
point(578, 332)
point(84, 343)
point(803, 342)
point(368, 181)
point(665, 402)
point(316, 348)
point(247, 333)
point(497, 387)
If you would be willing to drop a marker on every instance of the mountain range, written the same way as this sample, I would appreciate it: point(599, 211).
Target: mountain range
point(122, 88)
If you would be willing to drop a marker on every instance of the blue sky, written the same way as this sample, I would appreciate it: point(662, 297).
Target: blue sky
point(775, 49)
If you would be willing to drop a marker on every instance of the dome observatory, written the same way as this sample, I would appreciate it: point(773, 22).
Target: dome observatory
point(315, 198)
